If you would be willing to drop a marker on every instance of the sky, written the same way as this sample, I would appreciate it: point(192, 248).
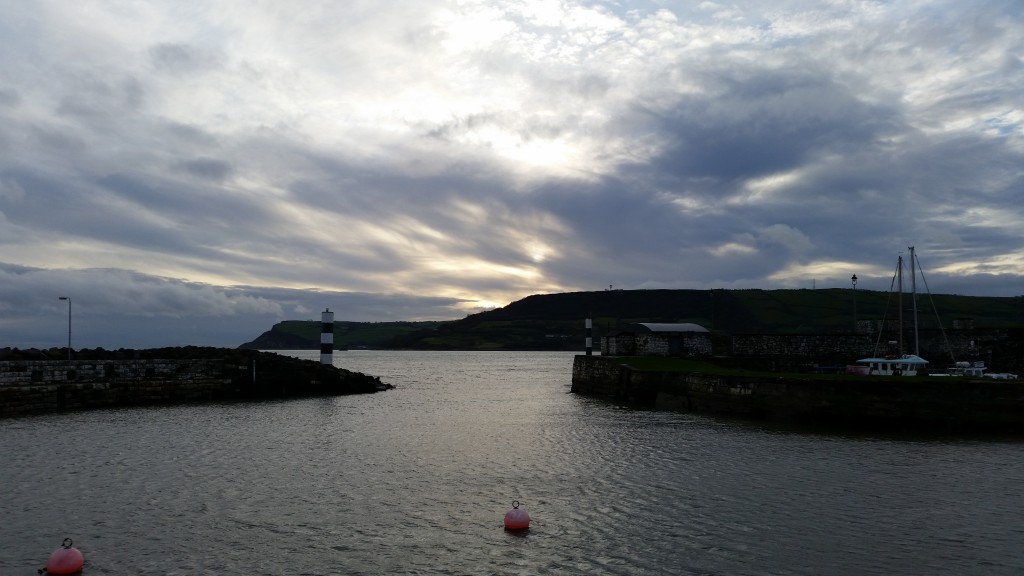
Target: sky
point(190, 173)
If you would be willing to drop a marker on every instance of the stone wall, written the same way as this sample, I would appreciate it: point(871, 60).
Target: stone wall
point(657, 344)
point(49, 385)
point(851, 346)
point(1001, 350)
point(618, 345)
point(28, 372)
point(909, 401)
point(601, 376)
point(33, 386)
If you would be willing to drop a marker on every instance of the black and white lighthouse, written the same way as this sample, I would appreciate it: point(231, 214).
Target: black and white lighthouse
point(327, 337)
point(590, 337)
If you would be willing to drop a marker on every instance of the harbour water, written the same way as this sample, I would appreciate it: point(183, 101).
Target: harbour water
point(416, 480)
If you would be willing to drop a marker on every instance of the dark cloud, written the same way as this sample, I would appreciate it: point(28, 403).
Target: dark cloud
point(412, 163)
point(114, 308)
point(95, 98)
point(769, 121)
point(207, 168)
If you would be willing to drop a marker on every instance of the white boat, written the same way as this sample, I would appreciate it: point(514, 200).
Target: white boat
point(902, 365)
point(975, 369)
point(969, 369)
point(1001, 376)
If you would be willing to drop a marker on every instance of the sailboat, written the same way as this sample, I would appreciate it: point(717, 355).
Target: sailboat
point(897, 363)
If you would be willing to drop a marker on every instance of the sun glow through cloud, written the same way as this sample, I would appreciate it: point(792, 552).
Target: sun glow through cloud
point(426, 159)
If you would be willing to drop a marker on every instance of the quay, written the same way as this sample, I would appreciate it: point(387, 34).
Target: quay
point(912, 402)
point(99, 379)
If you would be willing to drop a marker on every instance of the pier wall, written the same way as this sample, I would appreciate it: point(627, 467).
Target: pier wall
point(911, 401)
point(961, 343)
point(37, 386)
point(802, 345)
point(1001, 350)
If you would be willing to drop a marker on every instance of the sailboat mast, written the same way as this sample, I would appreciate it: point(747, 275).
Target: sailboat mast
point(899, 291)
point(913, 296)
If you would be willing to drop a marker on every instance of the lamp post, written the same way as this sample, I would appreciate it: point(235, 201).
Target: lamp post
point(854, 280)
point(68, 298)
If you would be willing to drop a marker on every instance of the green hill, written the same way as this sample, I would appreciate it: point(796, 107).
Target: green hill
point(305, 334)
point(556, 321)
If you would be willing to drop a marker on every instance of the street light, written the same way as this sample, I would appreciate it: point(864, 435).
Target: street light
point(854, 280)
point(69, 324)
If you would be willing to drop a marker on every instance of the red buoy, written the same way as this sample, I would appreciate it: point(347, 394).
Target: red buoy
point(65, 560)
point(516, 519)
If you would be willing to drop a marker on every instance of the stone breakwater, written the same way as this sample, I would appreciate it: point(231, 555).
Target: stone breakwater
point(133, 378)
point(909, 401)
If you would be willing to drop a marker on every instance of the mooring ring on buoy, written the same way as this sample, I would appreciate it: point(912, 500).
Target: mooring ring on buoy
point(64, 560)
point(515, 503)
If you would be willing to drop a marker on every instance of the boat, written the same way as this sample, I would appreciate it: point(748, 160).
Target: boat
point(897, 362)
point(891, 365)
point(976, 369)
point(971, 369)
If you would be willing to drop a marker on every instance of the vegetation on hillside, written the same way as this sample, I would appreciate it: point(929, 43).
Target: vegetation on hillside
point(305, 334)
point(556, 321)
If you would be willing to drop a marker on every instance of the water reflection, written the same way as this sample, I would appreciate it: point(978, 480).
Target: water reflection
point(417, 480)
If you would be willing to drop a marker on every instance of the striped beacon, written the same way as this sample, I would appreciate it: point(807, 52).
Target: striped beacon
point(327, 337)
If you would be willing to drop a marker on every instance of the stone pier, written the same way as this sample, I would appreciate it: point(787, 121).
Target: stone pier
point(849, 400)
point(197, 374)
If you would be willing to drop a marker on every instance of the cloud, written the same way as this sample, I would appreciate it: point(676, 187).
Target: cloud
point(183, 59)
point(433, 158)
point(116, 308)
point(206, 168)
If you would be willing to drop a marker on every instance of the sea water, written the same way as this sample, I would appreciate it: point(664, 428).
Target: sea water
point(416, 480)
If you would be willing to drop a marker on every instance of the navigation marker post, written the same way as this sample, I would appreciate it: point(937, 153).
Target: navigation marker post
point(327, 337)
point(590, 339)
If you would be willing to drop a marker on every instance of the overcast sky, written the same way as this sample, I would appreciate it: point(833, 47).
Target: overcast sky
point(191, 172)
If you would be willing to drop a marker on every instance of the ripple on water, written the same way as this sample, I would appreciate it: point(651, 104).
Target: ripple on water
point(416, 480)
